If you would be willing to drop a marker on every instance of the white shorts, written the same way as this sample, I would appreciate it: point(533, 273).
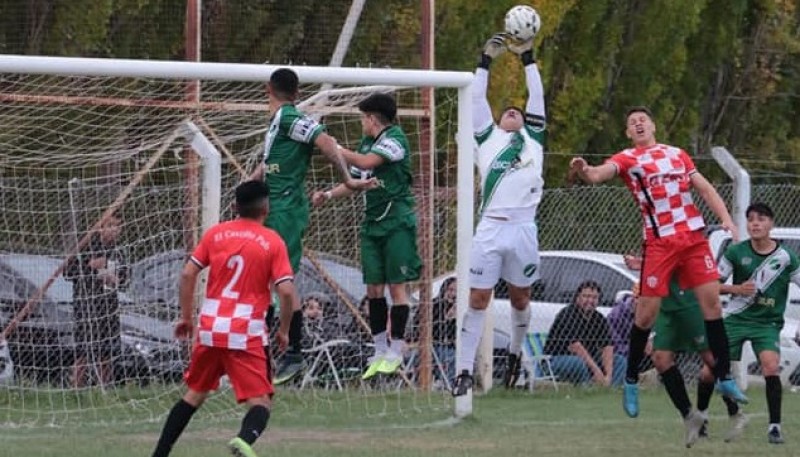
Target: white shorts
point(503, 249)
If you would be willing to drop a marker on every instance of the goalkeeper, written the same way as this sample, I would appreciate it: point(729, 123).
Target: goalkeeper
point(389, 231)
point(509, 159)
point(288, 146)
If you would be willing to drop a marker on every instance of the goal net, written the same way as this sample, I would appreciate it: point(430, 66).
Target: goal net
point(155, 149)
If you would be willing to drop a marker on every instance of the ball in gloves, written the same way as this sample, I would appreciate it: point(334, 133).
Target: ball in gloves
point(522, 23)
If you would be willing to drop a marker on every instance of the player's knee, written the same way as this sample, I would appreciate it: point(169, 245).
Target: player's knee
point(479, 298)
point(663, 360)
point(263, 400)
point(520, 297)
point(195, 398)
point(770, 363)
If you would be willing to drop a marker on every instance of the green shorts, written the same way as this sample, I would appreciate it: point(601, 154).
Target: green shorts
point(389, 251)
point(763, 337)
point(680, 330)
point(291, 225)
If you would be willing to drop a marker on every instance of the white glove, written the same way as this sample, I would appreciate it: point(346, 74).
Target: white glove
point(496, 45)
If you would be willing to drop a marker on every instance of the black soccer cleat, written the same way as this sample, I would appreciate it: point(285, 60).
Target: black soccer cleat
point(462, 384)
point(514, 364)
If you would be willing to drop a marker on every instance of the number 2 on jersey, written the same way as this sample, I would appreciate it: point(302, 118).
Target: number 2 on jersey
point(235, 263)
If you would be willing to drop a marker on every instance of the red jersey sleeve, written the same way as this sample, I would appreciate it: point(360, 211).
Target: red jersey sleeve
point(280, 267)
point(200, 256)
point(688, 163)
point(621, 161)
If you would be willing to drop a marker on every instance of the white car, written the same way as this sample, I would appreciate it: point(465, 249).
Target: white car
point(562, 272)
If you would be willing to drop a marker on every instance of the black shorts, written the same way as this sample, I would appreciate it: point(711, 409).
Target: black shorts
point(97, 328)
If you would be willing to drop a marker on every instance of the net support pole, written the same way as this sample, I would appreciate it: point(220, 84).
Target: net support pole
point(211, 176)
point(464, 218)
point(741, 185)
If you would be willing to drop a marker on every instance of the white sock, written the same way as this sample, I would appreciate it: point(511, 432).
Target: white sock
point(520, 322)
point(471, 330)
point(397, 347)
point(381, 346)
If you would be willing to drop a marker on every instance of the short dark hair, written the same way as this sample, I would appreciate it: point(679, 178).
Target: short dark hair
point(638, 109)
point(760, 208)
point(381, 105)
point(588, 284)
point(250, 197)
point(284, 83)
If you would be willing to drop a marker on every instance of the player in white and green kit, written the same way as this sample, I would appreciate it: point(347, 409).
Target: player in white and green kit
point(389, 231)
point(288, 146)
point(510, 159)
point(762, 270)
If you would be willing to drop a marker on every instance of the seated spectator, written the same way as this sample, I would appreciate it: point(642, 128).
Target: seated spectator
point(316, 329)
point(620, 320)
point(580, 344)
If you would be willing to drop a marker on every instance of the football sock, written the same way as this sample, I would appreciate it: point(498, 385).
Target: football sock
point(774, 394)
point(254, 423)
point(471, 329)
point(733, 407)
point(398, 318)
point(704, 392)
point(637, 343)
point(378, 313)
point(718, 343)
point(676, 389)
point(179, 416)
point(520, 321)
point(296, 332)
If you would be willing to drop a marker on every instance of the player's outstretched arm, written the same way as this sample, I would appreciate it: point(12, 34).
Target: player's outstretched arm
point(481, 111)
point(580, 169)
point(534, 107)
point(321, 197)
point(186, 287)
point(710, 195)
point(330, 149)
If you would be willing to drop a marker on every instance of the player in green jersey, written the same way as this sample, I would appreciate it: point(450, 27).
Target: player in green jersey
point(679, 328)
point(289, 143)
point(762, 270)
point(388, 234)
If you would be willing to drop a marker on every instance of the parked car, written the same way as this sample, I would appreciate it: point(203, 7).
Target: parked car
point(42, 349)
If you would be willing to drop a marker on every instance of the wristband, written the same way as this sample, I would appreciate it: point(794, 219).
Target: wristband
point(527, 58)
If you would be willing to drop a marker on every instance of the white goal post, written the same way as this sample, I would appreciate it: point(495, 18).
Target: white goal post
point(206, 71)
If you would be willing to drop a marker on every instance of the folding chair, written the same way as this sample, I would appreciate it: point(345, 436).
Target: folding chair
point(322, 359)
point(535, 362)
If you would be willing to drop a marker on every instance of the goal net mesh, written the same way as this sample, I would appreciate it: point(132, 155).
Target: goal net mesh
point(77, 148)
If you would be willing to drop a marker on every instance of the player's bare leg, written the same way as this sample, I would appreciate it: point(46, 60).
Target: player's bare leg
point(79, 372)
point(471, 330)
point(520, 298)
point(708, 297)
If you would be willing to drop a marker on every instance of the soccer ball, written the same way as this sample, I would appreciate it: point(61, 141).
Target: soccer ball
point(522, 22)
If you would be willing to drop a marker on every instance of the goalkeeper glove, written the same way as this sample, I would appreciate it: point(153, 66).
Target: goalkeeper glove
point(494, 47)
point(524, 49)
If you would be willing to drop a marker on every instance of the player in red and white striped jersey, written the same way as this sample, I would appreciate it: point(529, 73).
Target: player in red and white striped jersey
point(661, 178)
point(245, 259)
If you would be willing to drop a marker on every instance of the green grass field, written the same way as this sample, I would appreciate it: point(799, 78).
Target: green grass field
point(572, 422)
